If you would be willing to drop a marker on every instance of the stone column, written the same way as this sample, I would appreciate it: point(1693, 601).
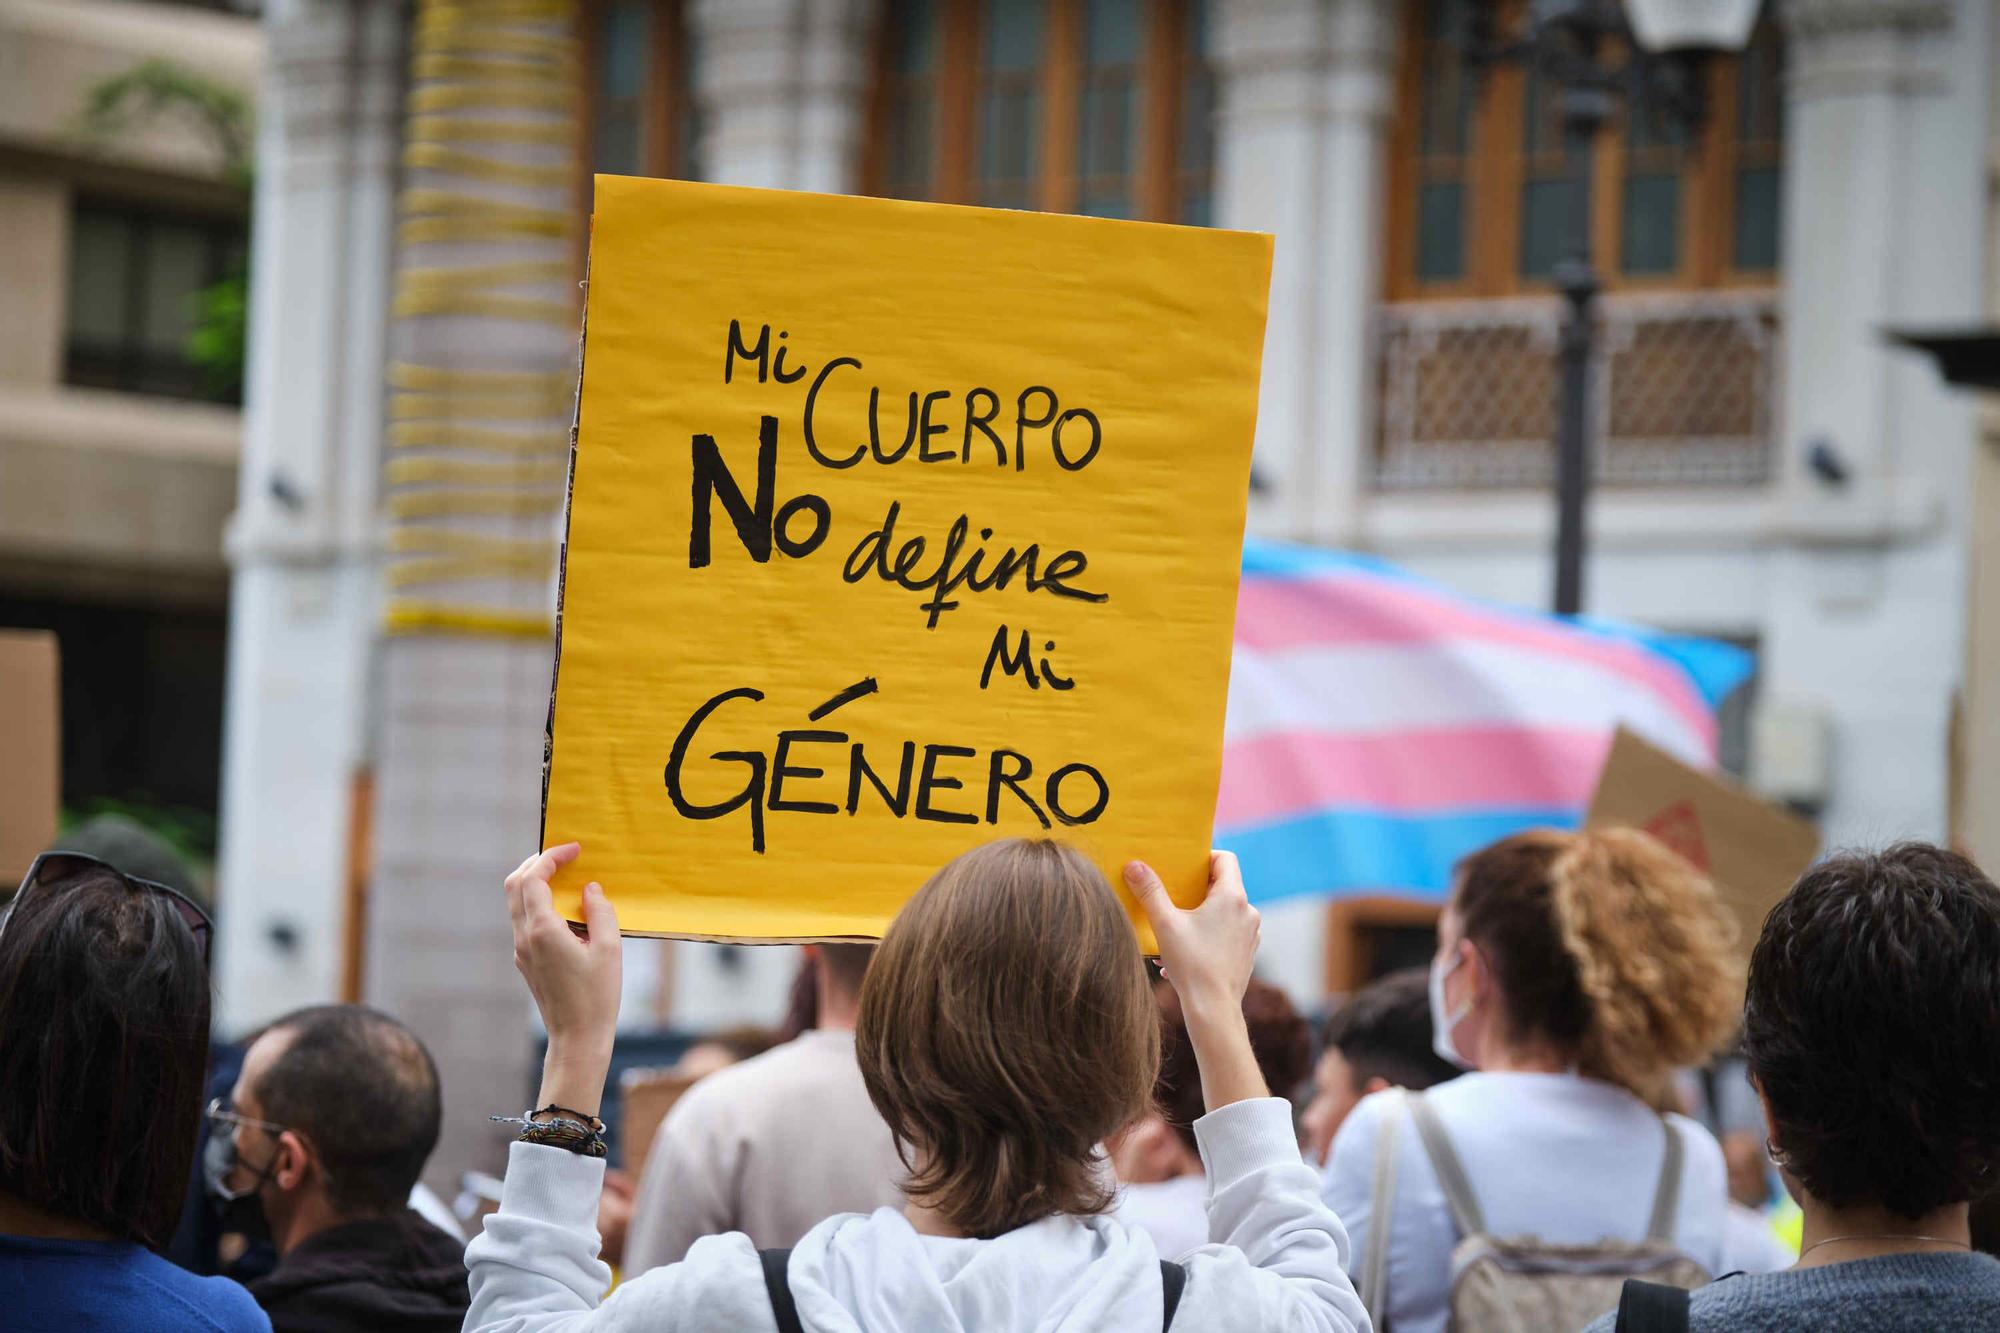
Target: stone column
point(303, 583)
point(783, 87)
point(1871, 124)
point(1976, 814)
point(1306, 91)
point(1271, 58)
point(835, 67)
point(1884, 201)
point(1360, 90)
point(483, 375)
point(1976, 811)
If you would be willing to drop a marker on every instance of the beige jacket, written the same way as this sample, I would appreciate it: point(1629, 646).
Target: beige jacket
point(767, 1147)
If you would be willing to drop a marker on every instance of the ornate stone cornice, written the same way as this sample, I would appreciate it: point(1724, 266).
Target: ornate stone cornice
point(1819, 18)
point(1846, 48)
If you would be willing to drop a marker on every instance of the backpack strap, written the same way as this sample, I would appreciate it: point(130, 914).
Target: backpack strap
point(1667, 1194)
point(1173, 1281)
point(1649, 1307)
point(1374, 1278)
point(777, 1284)
point(780, 1288)
point(1457, 1186)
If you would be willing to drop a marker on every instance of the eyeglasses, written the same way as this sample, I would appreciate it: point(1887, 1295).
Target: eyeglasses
point(51, 868)
point(223, 1119)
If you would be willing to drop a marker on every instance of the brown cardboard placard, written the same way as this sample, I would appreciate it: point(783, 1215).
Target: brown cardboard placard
point(31, 727)
point(1751, 849)
point(646, 1099)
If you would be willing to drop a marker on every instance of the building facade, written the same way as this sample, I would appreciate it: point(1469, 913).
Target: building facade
point(1770, 470)
point(126, 217)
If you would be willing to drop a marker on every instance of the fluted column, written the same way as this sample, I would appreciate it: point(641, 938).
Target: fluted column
point(783, 87)
point(1270, 57)
point(1359, 85)
point(1306, 90)
point(482, 376)
point(302, 593)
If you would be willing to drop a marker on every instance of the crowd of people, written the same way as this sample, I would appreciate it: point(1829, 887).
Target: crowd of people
point(1004, 1117)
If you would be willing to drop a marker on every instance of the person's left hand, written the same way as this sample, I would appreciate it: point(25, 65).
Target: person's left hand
point(574, 978)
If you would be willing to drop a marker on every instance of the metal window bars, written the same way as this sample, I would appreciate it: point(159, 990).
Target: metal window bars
point(1684, 391)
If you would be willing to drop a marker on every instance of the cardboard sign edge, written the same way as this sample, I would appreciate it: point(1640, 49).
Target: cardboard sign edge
point(562, 557)
point(1624, 735)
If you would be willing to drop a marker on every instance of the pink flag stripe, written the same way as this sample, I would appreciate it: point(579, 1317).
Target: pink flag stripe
point(1274, 613)
point(1412, 772)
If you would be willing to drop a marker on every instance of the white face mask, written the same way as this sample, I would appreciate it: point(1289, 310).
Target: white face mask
point(1442, 1023)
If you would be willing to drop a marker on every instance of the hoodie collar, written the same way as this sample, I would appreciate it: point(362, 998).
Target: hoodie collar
point(1059, 1275)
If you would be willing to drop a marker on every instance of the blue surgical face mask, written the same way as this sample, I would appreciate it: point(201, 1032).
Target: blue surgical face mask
point(1443, 1023)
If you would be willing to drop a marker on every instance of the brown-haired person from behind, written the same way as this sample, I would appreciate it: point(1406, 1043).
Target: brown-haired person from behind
point(1870, 1029)
point(325, 1134)
point(1574, 973)
point(1157, 1160)
point(1006, 1029)
point(103, 1048)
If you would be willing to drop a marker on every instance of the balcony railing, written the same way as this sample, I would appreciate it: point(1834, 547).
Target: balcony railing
point(1684, 391)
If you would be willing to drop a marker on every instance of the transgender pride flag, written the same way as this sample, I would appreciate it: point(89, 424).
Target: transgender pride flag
point(1381, 726)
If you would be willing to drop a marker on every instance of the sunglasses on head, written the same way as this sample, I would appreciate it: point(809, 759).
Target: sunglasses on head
point(52, 868)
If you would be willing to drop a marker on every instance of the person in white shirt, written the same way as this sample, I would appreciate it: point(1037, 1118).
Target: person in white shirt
point(770, 1146)
point(1006, 1029)
point(1158, 1163)
point(1574, 973)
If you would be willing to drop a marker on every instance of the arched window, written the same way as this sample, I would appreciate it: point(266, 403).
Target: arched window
point(1087, 106)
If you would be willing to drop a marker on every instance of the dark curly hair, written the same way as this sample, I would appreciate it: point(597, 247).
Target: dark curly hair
point(1869, 1024)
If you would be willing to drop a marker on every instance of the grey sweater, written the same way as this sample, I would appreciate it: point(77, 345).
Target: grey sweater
point(1898, 1293)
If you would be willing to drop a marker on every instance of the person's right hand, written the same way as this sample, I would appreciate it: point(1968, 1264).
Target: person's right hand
point(1207, 953)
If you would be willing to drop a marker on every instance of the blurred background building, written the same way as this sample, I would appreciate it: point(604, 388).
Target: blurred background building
point(1770, 470)
point(124, 208)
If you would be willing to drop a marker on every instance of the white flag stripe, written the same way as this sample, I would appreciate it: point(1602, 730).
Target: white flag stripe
point(1371, 689)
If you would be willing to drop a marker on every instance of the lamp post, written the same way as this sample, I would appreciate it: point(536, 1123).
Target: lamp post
point(1564, 42)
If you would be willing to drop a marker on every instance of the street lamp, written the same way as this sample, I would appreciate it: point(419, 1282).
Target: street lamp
point(1666, 44)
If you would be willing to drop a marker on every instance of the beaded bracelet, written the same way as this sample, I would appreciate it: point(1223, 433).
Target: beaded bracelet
point(577, 1136)
point(553, 1109)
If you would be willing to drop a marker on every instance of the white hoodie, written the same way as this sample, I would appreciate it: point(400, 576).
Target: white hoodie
point(1275, 1264)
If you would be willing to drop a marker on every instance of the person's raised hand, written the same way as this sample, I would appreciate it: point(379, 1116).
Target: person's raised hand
point(1207, 953)
point(574, 978)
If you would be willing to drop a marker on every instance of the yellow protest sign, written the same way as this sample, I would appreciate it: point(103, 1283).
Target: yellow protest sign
point(894, 528)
